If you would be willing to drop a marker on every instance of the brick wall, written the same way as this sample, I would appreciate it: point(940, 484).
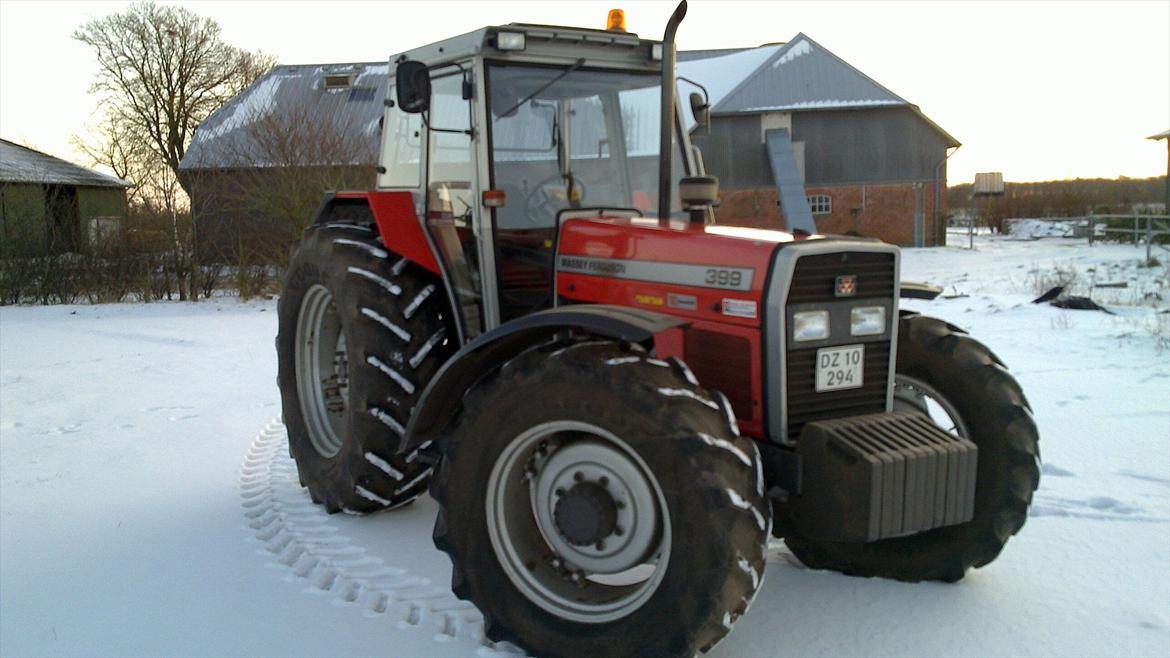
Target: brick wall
point(885, 211)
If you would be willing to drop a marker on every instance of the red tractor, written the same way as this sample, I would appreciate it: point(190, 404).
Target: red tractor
point(614, 401)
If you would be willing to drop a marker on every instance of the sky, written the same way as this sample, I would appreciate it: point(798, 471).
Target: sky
point(1038, 90)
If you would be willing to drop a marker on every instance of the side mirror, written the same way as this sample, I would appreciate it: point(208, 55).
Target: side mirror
point(413, 86)
point(700, 110)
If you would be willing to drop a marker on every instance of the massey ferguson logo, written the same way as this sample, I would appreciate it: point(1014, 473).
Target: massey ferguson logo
point(846, 285)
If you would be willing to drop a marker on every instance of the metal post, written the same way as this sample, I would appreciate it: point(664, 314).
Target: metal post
point(1149, 237)
point(1092, 225)
point(971, 224)
point(1135, 228)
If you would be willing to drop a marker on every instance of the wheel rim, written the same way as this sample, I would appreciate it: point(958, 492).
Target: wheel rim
point(588, 567)
point(912, 394)
point(322, 370)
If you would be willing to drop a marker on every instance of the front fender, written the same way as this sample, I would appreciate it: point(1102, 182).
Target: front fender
point(488, 352)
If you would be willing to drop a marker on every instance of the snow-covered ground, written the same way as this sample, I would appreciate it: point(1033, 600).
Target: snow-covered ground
point(148, 506)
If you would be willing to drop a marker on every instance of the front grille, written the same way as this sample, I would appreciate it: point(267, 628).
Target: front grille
point(814, 280)
point(816, 276)
point(724, 363)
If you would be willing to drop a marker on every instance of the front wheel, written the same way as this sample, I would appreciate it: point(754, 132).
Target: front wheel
point(596, 501)
point(966, 390)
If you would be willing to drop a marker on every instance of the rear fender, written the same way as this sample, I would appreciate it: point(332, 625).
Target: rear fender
point(394, 214)
point(441, 400)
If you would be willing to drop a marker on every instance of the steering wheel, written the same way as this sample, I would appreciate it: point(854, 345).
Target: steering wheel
point(550, 197)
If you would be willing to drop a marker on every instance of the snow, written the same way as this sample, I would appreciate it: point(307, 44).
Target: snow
point(257, 102)
point(720, 75)
point(148, 505)
point(1032, 229)
point(800, 47)
point(826, 104)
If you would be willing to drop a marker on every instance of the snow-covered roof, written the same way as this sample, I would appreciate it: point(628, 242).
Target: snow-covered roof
point(352, 108)
point(20, 164)
point(797, 76)
point(801, 75)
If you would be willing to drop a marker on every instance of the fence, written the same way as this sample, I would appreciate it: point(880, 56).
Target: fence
point(1154, 230)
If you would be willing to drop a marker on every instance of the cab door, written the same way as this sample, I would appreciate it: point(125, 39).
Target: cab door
point(451, 190)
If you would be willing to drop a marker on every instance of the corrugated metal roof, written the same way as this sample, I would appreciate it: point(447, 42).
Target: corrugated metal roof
point(20, 164)
point(802, 75)
point(225, 139)
point(692, 55)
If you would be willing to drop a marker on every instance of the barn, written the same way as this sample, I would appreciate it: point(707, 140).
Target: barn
point(260, 163)
point(870, 162)
point(50, 206)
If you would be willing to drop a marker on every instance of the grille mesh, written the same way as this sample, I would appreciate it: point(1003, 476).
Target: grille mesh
point(816, 276)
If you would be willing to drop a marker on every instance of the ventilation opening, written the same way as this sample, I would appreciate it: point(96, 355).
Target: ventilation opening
point(338, 81)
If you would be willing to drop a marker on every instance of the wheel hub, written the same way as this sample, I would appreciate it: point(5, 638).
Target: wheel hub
point(601, 483)
point(586, 514)
point(578, 521)
point(322, 370)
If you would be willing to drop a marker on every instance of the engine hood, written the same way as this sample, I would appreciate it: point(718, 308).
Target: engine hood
point(713, 273)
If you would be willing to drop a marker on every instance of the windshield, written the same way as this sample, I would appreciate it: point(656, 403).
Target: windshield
point(564, 137)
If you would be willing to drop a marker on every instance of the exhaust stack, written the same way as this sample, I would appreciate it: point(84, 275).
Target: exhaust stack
point(666, 134)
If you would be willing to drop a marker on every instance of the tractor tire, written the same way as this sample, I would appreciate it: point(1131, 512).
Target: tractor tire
point(361, 332)
point(597, 502)
point(970, 393)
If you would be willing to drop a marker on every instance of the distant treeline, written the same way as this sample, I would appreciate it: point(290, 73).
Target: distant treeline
point(1066, 198)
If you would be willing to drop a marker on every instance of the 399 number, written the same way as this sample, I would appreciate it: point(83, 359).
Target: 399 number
point(717, 277)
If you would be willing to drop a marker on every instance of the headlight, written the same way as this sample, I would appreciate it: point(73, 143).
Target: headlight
point(810, 325)
point(867, 321)
point(510, 40)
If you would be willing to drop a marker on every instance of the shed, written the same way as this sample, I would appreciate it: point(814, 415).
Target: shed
point(49, 205)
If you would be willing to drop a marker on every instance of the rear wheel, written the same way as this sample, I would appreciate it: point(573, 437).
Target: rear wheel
point(361, 332)
point(966, 390)
point(595, 501)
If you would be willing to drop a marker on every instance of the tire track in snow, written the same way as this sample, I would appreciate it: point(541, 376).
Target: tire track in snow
point(303, 538)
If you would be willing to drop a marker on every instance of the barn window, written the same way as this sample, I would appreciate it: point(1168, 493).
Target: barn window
point(820, 204)
point(338, 80)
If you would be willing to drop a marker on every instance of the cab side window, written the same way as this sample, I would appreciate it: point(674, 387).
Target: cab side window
point(402, 147)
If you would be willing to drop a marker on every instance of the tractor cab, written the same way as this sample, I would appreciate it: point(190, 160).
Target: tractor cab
point(502, 133)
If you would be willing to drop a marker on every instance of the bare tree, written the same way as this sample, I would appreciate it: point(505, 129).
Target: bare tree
point(161, 71)
point(274, 173)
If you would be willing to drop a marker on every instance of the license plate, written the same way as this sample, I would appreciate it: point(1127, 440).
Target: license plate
point(839, 368)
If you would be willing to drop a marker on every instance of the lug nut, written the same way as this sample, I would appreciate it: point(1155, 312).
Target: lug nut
point(617, 530)
point(600, 545)
point(604, 481)
point(578, 476)
point(560, 492)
